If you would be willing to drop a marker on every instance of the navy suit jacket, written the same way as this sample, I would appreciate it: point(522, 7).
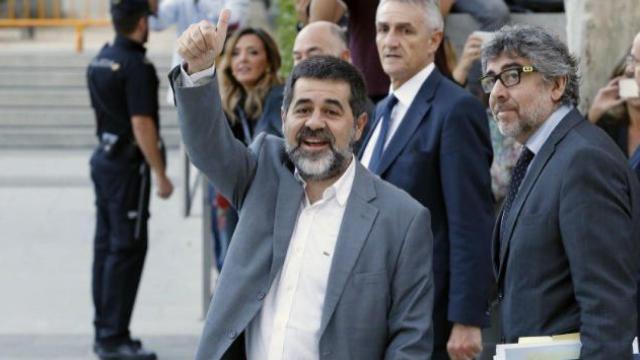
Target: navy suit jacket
point(441, 155)
point(569, 253)
point(270, 121)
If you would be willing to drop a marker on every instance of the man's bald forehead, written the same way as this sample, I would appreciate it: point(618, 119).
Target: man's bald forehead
point(323, 30)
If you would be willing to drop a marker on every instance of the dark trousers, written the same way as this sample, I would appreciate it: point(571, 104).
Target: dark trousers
point(224, 219)
point(120, 245)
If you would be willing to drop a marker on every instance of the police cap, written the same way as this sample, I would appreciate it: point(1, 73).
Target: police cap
point(122, 8)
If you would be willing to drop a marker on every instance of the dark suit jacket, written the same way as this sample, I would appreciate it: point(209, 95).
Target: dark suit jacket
point(618, 130)
point(270, 121)
point(570, 256)
point(379, 291)
point(441, 155)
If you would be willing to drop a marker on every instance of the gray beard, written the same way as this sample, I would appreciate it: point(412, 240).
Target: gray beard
point(527, 124)
point(317, 167)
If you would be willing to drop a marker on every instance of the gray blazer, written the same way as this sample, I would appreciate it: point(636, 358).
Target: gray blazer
point(572, 249)
point(380, 289)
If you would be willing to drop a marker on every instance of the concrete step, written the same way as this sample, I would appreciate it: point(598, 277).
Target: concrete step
point(43, 117)
point(53, 98)
point(44, 101)
point(64, 138)
point(55, 77)
point(52, 59)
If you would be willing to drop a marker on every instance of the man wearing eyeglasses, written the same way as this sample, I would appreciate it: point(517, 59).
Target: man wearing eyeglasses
point(565, 243)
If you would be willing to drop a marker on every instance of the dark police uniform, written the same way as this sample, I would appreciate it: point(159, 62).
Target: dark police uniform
point(122, 83)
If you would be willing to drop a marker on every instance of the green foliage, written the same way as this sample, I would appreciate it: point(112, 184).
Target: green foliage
point(286, 33)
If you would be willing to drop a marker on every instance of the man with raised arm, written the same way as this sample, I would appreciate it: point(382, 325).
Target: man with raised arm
point(328, 261)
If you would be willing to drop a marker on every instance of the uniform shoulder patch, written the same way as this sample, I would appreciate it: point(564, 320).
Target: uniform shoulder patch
point(105, 64)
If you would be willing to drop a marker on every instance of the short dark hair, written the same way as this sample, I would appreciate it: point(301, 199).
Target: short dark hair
point(125, 24)
point(547, 53)
point(329, 68)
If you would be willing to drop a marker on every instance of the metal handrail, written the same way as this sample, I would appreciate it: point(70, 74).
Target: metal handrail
point(190, 191)
point(191, 187)
point(78, 15)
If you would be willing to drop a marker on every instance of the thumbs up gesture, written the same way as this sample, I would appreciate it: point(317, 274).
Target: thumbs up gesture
point(202, 42)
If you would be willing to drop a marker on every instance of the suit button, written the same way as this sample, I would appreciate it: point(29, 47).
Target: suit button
point(261, 296)
point(233, 334)
point(500, 296)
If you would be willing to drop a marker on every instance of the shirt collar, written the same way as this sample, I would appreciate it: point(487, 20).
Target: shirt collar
point(125, 42)
point(340, 189)
point(540, 136)
point(408, 91)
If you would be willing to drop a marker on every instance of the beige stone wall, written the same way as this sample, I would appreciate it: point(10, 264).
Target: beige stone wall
point(599, 32)
point(96, 9)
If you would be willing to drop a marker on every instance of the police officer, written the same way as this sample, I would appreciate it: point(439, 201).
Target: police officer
point(124, 94)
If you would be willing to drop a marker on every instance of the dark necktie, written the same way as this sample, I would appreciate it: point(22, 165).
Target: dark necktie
point(518, 173)
point(378, 150)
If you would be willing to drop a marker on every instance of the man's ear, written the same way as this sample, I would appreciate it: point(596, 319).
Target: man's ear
point(142, 25)
point(361, 122)
point(558, 86)
point(346, 55)
point(283, 117)
point(434, 41)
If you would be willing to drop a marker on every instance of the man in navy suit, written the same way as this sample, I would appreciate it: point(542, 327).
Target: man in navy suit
point(431, 138)
point(566, 241)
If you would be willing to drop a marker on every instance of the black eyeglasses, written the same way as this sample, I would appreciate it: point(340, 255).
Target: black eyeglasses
point(508, 77)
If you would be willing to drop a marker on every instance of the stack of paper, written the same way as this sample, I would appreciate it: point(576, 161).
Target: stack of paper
point(559, 347)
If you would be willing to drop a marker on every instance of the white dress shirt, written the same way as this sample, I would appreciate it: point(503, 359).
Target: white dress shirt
point(405, 95)
point(287, 326)
point(540, 136)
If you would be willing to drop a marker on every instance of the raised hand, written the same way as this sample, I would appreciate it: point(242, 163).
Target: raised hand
point(201, 43)
point(302, 10)
point(606, 98)
point(470, 53)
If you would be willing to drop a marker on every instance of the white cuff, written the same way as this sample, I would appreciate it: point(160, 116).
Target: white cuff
point(193, 79)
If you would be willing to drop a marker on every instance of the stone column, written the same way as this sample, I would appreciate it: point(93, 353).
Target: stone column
point(599, 32)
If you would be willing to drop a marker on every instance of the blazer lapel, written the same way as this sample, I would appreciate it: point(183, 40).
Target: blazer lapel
point(290, 195)
point(495, 244)
point(357, 221)
point(414, 116)
point(539, 162)
point(376, 120)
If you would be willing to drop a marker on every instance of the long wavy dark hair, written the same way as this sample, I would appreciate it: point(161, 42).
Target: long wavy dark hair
point(619, 114)
point(231, 90)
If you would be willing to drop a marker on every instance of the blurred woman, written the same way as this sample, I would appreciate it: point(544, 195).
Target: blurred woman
point(250, 86)
point(251, 92)
point(620, 117)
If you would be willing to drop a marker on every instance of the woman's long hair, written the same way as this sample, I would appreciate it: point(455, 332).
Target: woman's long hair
point(231, 90)
point(618, 115)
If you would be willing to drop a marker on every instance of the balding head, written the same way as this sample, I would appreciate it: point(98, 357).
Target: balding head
point(320, 38)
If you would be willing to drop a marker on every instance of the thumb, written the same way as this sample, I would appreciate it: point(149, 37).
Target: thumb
point(221, 28)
